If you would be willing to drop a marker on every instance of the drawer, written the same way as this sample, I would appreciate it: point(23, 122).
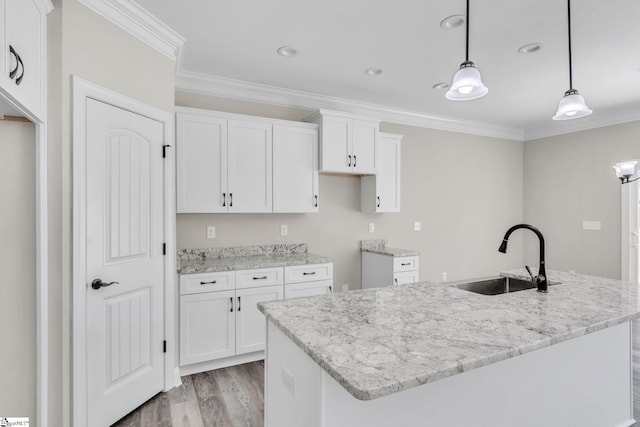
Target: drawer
point(259, 277)
point(207, 282)
point(308, 289)
point(308, 273)
point(405, 263)
point(406, 277)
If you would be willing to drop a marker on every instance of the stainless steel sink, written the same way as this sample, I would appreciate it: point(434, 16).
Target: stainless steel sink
point(495, 285)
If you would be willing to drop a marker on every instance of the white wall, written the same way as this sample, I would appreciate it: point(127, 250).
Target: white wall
point(84, 44)
point(569, 179)
point(466, 190)
point(17, 270)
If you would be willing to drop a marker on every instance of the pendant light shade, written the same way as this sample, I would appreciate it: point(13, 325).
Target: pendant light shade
point(572, 105)
point(467, 82)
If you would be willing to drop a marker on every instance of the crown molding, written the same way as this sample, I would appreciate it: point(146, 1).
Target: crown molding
point(596, 120)
point(255, 92)
point(135, 20)
point(45, 6)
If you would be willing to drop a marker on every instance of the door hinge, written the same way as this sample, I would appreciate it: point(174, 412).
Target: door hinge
point(164, 249)
point(164, 346)
point(164, 150)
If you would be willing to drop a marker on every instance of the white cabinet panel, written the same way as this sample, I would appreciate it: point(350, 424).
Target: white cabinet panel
point(207, 326)
point(405, 263)
point(250, 322)
point(406, 277)
point(364, 146)
point(207, 282)
point(308, 289)
point(259, 277)
point(250, 166)
point(336, 145)
point(379, 270)
point(308, 273)
point(295, 169)
point(381, 192)
point(201, 172)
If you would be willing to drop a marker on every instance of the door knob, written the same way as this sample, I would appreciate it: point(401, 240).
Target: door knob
point(98, 283)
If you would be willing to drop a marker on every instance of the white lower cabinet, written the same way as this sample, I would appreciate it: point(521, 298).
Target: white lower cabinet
point(380, 270)
point(220, 324)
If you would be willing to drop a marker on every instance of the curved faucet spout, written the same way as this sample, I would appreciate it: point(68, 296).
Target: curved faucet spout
point(541, 279)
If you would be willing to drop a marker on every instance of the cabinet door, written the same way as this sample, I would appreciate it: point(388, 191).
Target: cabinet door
point(336, 145)
point(365, 159)
point(308, 289)
point(250, 167)
point(388, 176)
point(251, 324)
point(201, 171)
point(24, 34)
point(295, 169)
point(207, 326)
point(406, 277)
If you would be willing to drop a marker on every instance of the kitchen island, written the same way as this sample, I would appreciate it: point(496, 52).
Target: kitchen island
point(429, 354)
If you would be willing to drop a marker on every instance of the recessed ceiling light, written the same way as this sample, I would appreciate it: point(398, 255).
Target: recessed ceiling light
point(453, 21)
point(372, 71)
point(530, 48)
point(441, 86)
point(287, 51)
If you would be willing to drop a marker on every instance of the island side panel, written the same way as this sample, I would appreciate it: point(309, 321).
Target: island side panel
point(293, 384)
point(585, 381)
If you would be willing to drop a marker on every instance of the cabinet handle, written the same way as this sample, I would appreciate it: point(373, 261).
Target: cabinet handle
point(309, 274)
point(315, 204)
point(231, 302)
point(230, 199)
point(349, 160)
point(239, 307)
point(224, 199)
point(13, 72)
point(395, 280)
point(260, 278)
point(355, 161)
point(208, 283)
point(330, 289)
point(378, 201)
point(19, 79)
point(405, 263)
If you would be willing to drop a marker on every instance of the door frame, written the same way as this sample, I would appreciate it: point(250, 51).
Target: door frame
point(630, 210)
point(82, 90)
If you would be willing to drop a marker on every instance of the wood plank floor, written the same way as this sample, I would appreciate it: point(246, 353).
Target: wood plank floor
point(234, 397)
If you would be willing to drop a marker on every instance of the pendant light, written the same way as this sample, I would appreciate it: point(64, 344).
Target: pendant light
point(572, 105)
point(467, 83)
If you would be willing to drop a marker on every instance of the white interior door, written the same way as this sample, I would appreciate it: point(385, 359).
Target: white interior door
point(124, 246)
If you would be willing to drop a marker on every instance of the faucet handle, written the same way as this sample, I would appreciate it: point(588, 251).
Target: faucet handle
point(533, 278)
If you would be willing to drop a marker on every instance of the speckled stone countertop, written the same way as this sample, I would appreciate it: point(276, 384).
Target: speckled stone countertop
point(376, 342)
point(379, 246)
point(210, 260)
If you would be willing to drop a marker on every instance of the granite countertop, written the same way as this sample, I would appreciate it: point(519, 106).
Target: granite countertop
point(209, 260)
point(376, 342)
point(379, 246)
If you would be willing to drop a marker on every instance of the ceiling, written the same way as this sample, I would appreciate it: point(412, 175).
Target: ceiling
point(337, 40)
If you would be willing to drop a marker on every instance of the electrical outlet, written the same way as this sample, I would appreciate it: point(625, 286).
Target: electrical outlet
point(345, 287)
point(284, 230)
point(444, 276)
point(287, 381)
point(211, 232)
point(372, 227)
point(417, 226)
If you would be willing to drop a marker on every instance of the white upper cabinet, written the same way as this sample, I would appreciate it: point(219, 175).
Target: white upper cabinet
point(381, 192)
point(226, 163)
point(249, 161)
point(23, 43)
point(295, 168)
point(347, 143)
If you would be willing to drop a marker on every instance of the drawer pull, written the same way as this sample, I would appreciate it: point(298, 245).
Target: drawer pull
point(231, 301)
point(208, 283)
point(395, 280)
point(260, 278)
point(309, 274)
point(405, 263)
point(239, 307)
point(330, 289)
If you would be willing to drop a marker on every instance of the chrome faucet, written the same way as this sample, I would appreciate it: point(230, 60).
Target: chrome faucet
point(541, 278)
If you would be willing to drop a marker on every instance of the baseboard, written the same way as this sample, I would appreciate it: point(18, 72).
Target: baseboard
point(221, 363)
point(177, 381)
point(627, 423)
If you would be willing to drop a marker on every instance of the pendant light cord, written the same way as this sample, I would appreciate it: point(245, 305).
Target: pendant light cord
point(569, 30)
point(467, 43)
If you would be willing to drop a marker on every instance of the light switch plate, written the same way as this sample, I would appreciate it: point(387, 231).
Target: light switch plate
point(591, 225)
